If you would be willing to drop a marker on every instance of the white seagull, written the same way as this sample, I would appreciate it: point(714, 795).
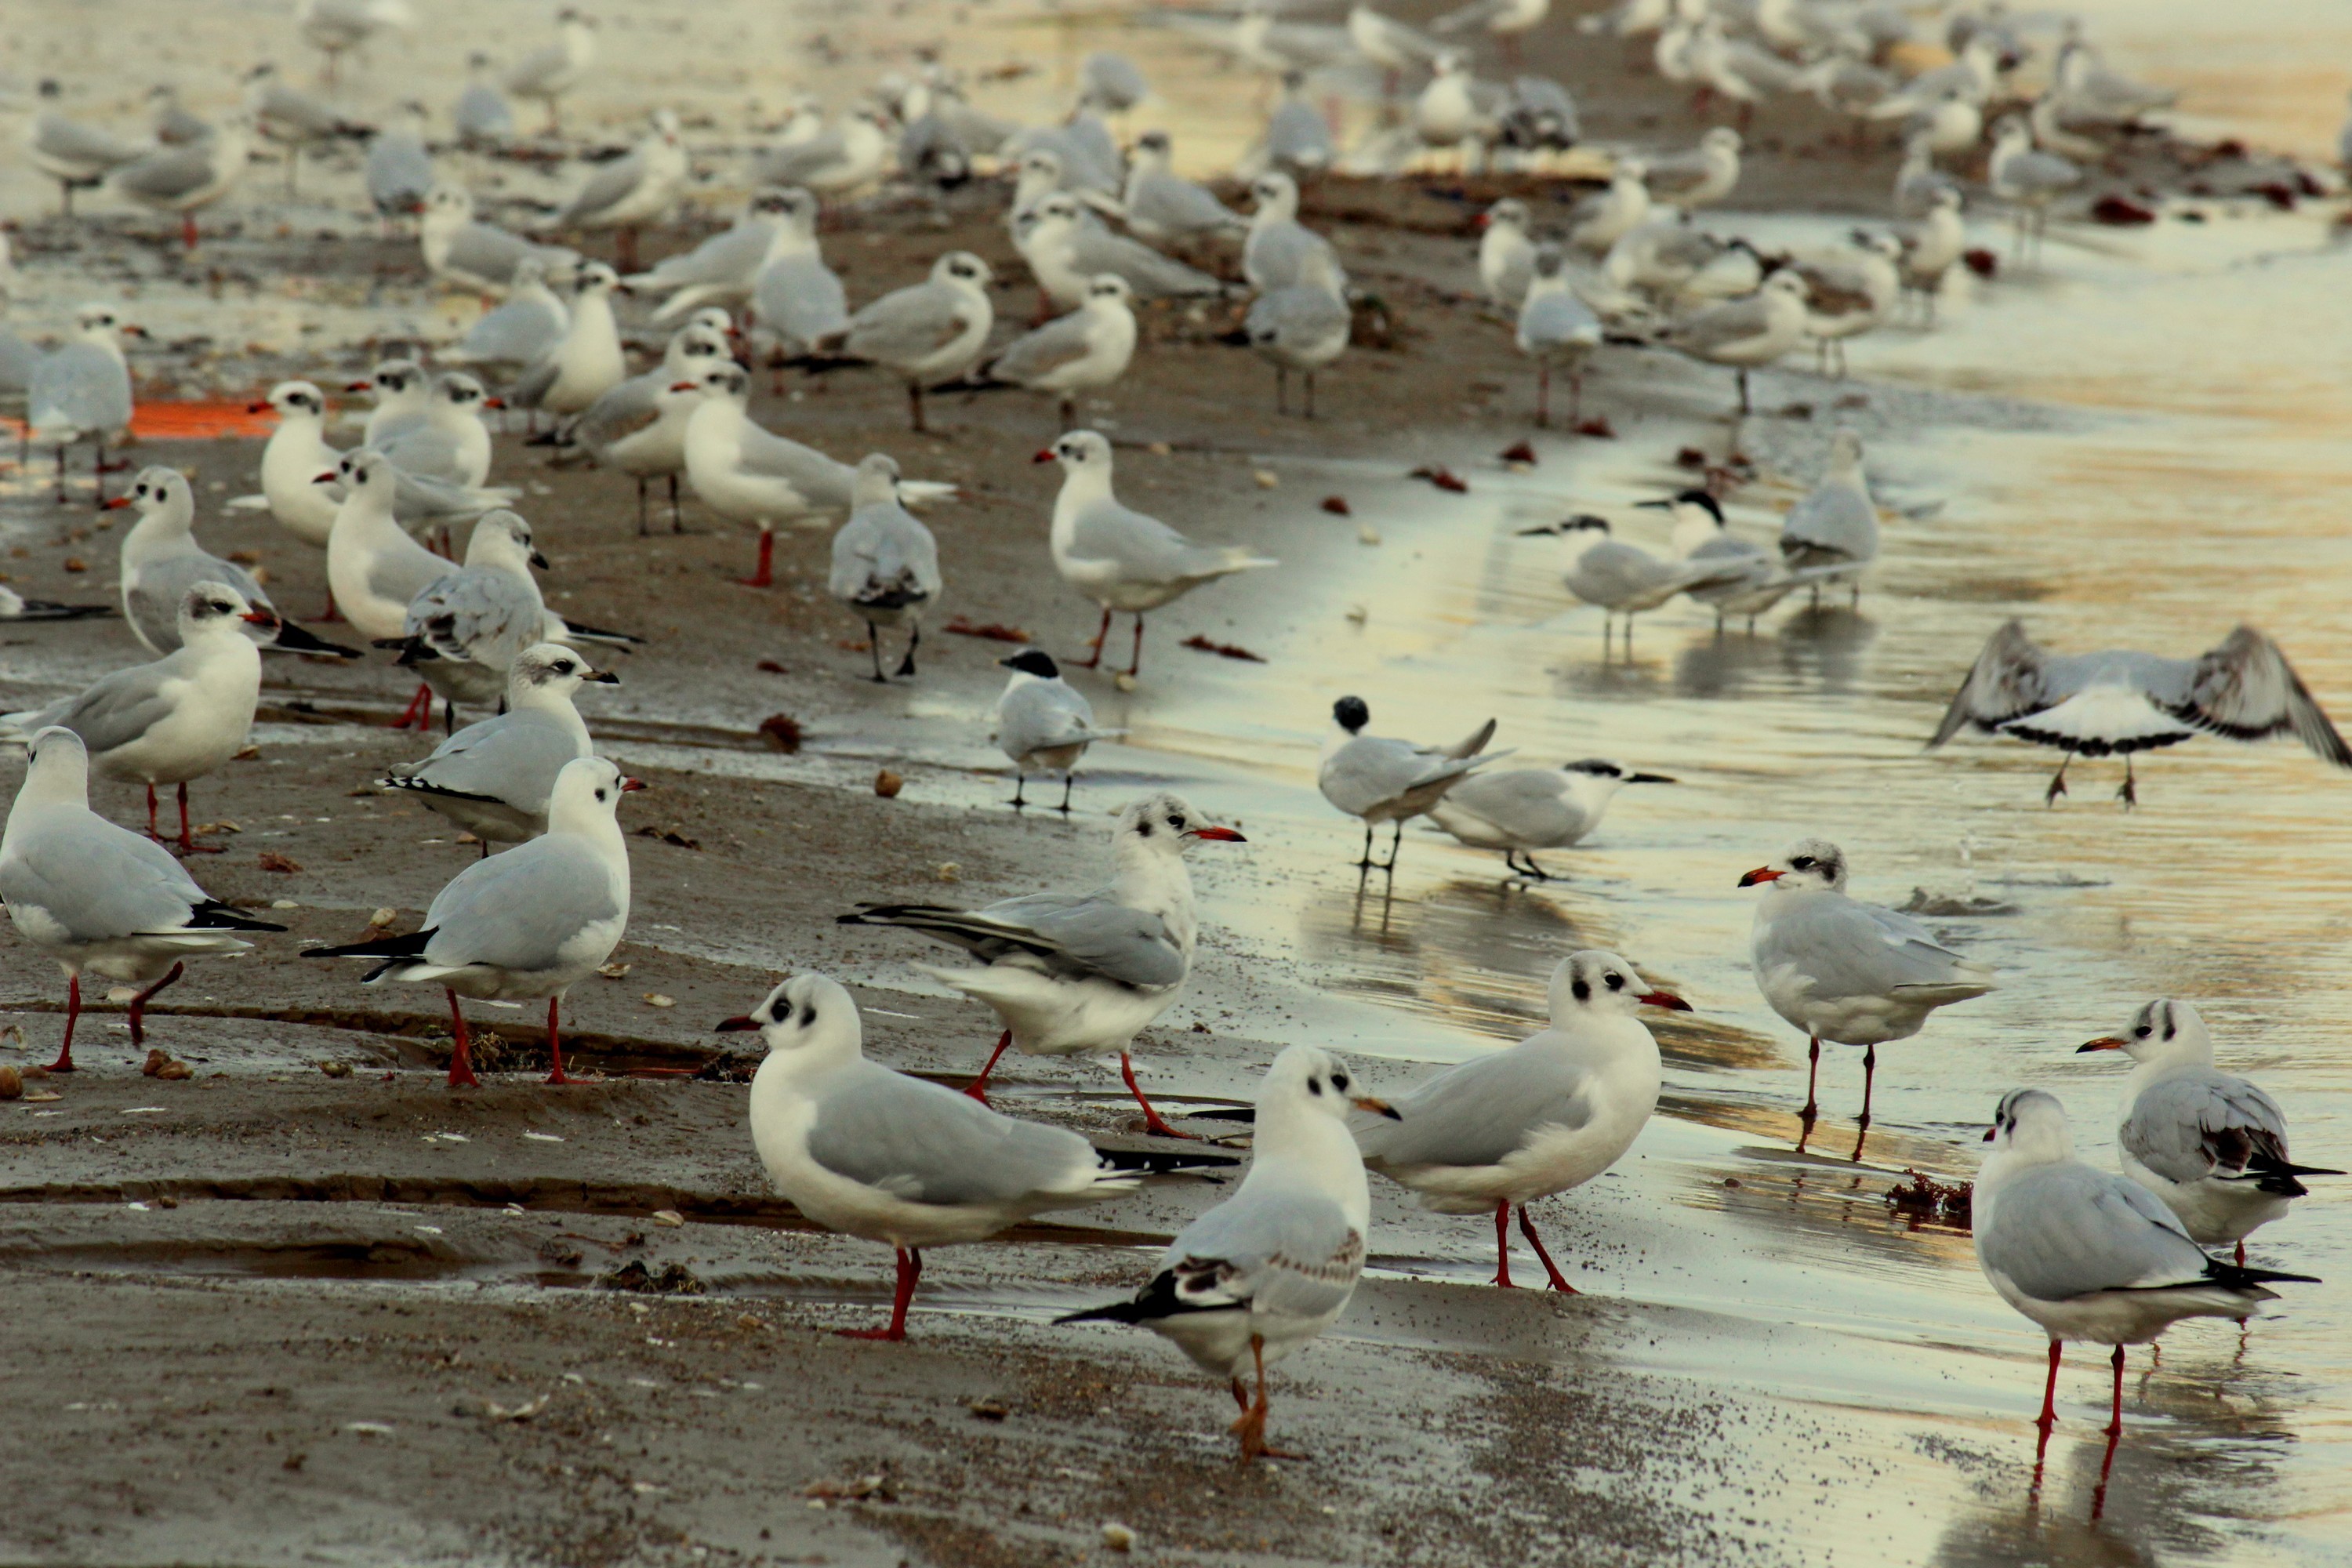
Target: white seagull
point(1521, 810)
point(494, 779)
point(1383, 780)
point(885, 564)
point(160, 561)
point(1044, 724)
point(931, 331)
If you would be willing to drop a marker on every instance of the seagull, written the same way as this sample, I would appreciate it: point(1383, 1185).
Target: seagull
point(885, 1157)
point(482, 116)
point(722, 269)
point(375, 569)
point(1457, 110)
point(1557, 329)
point(1700, 177)
point(2027, 179)
point(185, 179)
point(796, 298)
point(291, 460)
point(1836, 523)
point(1917, 180)
point(82, 391)
point(450, 443)
point(1507, 19)
point(1120, 558)
point(1847, 972)
point(1044, 724)
point(1506, 257)
point(14, 606)
point(885, 564)
point(1603, 219)
point(639, 426)
point(1265, 1272)
point(1303, 326)
point(638, 188)
point(1383, 780)
point(1085, 351)
point(172, 720)
point(462, 632)
point(1849, 289)
point(1935, 244)
point(588, 363)
point(1297, 139)
point(531, 923)
point(853, 152)
point(76, 156)
point(495, 778)
point(294, 118)
point(160, 561)
point(1626, 580)
point(1110, 82)
point(331, 26)
point(402, 397)
point(551, 70)
point(2098, 704)
point(1162, 206)
point(1547, 1115)
point(399, 170)
point(1275, 253)
point(1066, 249)
point(1521, 810)
point(2087, 1256)
point(930, 333)
point(746, 474)
point(1748, 333)
point(99, 898)
point(476, 255)
point(1762, 580)
point(1080, 974)
point(527, 326)
point(1389, 44)
point(2210, 1143)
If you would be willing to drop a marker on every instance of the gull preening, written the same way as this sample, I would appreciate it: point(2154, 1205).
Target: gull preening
point(880, 1155)
point(1380, 779)
point(2120, 703)
point(100, 899)
point(2211, 1144)
point(1500, 1132)
point(1844, 971)
point(1081, 974)
point(1265, 1272)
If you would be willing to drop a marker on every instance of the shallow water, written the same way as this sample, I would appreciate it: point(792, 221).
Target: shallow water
point(2136, 444)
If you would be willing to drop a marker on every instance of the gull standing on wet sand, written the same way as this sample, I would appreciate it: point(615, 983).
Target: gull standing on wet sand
point(720, 271)
point(1119, 558)
point(588, 363)
point(1745, 334)
point(884, 1157)
point(1267, 1270)
point(1760, 580)
point(885, 564)
point(1044, 724)
point(82, 391)
point(1521, 810)
point(529, 923)
point(160, 561)
point(525, 327)
point(2101, 704)
point(638, 429)
point(1383, 780)
point(99, 898)
point(375, 569)
point(932, 332)
point(450, 443)
point(1162, 206)
point(1067, 248)
point(1085, 351)
point(633, 191)
point(495, 778)
point(2087, 1256)
point(1080, 974)
point(463, 250)
point(551, 70)
point(2210, 1143)
point(1557, 329)
point(463, 631)
point(1626, 580)
point(185, 179)
point(1507, 255)
point(177, 719)
point(1835, 525)
point(1844, 971)
point(293, 457)
point(1547, 1115)
point(1275, 255)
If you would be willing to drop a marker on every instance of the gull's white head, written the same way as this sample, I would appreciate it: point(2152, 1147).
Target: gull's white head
point(876, 483)
point(209, 609)
point(1168, 822)
point(1276, 194)
point(365, 472)
point(1594, 983)
point(160, 490)
point(293, 400)
point(1080, 452)
point(809, 1019)
point(961, 267)
point(502, 538)
point(1308, 1080)
point(2030, 1125)
point(463, 393)
point(2163, 1030)
point(57, 767)
point(1813, 864)
point(549, 670)
point(1107, 288)
point(587, 793)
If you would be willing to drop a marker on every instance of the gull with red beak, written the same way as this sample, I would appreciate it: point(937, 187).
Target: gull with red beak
point(1080, 974)
point(174, 720)
point(1549, 1114)
point(2210, 1143)
point(529, 923)
point(1841, 970)
point(2087, 1256)
point(881, 1155)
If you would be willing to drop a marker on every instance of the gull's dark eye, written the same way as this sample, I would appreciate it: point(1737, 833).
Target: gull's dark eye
point(1339, 1081)
point(1801, 863)
point(563, 666)
point(1313, 1086)
point(2141, 1032)
point(600, 795)
point(1616, 982)
point(1177, 823)
point(1581, 990)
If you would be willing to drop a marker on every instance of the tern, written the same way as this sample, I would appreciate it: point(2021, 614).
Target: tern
point(1383, 780)
point(1521, 810)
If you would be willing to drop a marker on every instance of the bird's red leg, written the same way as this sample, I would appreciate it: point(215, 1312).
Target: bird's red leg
point(1528, 1229)
point(2049, 1416)
point(2115, 1415)
point(1094, 660)
point(151, 816)
point(1152, 1122)
point(330, 612)
point(763, 576)
point(554, 1042)
point(2242, 1255)
point(461, 1057)
point(188, 845)
point(73, 1011)
point(419, 711)
point(978, 1088)
point(138, 1004)
point(1503, 1243)
point(1241, 1394)
point(911, 1268)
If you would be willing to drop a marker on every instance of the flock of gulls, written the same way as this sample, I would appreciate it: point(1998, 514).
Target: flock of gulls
point(1106, 230)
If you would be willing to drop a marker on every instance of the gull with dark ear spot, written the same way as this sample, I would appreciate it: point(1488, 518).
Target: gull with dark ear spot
point(2087, 1256)
point(1521, 810)
point(1080, 974)
point(530, 923)
point(173, 720)
point(929, 333)
point(2117, 702)
point(1161, 205)
point(1549, 1114)
point(1844, 971)
point(99, 898)
point(494, 779)
point(1044, 724)
point(1380, 779)
point(881, 1155)
point(2210, 1143)
point(1267, 1270)
point(161, 561)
